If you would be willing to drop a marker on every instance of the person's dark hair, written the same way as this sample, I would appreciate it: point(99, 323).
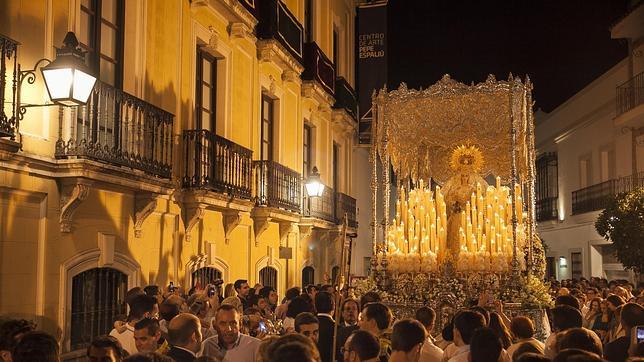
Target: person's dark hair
point(104, 342)
point(522, 327)
point(36, 346)
point(292, 293)
point(305, 318)
point(565, 317)
point(292, 347)
point(133, 293)
point(310, 288)
point(369, 297)
point(632, 315)
point(378, 312)
point(298, 305)
point(501, 331)
point(526, 347)
point(266, 291)
point(239, 282)
point(365, 344)
point(254, 299)
point(167, 311)
point(576, 355)
point(251, 311)
point(11, 330)
point(467, 322)
point(484, 345)
point(580, 338)
point(484, 312)
point(567, 300)
point(324, 302)
point(407, 334)
point(227, 308)
point(140, 305)
point(592, 289)
point(151, 290)
point(615, 300)
point(531, 357)
point(426, 316)
point(349, 300)
point(152, 324)
point(448, 330)
point(148, 357)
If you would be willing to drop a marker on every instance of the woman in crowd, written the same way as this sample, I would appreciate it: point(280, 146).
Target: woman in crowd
point(594, 310)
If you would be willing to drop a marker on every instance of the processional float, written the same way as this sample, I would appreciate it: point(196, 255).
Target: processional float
point(463, 164)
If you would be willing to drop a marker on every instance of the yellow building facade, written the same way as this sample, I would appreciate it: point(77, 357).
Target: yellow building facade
point(187, 163)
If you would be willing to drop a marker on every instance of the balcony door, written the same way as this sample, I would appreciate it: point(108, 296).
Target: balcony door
point(266, 147)
point(205, 94)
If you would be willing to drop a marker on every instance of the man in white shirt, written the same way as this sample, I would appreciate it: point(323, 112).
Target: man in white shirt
point(430, 352)
point(141, 306)
point(229, 345)
point(465, 324)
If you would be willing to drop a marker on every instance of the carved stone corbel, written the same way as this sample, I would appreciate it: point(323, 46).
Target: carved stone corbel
point(191, 216)
point(290, 76)
point(305, 232)
point(71, 196)
point(285, 228)
point(144, 205)
point(260, 224)
point(230, 220)
point(240, 30)
point(213, 42)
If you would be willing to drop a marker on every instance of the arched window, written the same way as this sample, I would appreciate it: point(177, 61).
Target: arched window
point(268, 277)
point(335, 273)
point(98, 299)
point(205, 276)
point(308, 276)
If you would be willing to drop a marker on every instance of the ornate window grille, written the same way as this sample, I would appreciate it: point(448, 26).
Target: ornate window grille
point(205, 276)
point(268, 277)
point(98, 299)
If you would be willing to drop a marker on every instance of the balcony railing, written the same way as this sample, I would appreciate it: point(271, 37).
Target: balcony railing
point(596, 197)
point(215, 163)
point(346, 204)
point(321, 207)
point(630, 94)
point(8, 63)
point(277, 22)
point(277, 186)
point(345, 97)
point(318, 67)
point(250, 5)
point(119, 129)
point(547, 209)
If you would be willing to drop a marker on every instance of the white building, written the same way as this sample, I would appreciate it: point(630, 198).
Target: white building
point(589, 148)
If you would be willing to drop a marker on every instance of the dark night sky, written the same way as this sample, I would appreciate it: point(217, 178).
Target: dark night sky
point(562, 44)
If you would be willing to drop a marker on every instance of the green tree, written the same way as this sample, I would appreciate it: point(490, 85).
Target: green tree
point(622, 222)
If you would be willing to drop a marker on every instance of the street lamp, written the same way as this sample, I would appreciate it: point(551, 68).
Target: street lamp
point(314, 187)
point(68, 80)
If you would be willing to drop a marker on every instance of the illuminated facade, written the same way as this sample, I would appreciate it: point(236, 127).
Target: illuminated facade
point(188, 161)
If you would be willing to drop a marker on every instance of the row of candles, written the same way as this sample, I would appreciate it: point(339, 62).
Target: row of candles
point(420, 224)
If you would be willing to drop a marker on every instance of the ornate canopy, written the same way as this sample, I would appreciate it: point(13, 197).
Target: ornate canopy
point(417, 130)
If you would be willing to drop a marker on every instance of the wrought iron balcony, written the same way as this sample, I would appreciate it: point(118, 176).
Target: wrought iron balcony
point(630, 94)
point(318, 67)
point(547, 209)
point(8, 62)
point(119, 129)
point(277, 186)
point(322, 207)
point(596, 197)
point(277, 22)
point(345, 97)
point(215, 163)
point(346, 204)
point(250, 5)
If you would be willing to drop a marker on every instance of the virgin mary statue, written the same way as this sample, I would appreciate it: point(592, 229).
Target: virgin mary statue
point(466, 161)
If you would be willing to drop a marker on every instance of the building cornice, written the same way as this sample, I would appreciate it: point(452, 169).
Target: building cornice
point(271, 51)
point(311, 89)
point(232, 10)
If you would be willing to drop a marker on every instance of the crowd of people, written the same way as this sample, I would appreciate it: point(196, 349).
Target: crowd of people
point(592, 320)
